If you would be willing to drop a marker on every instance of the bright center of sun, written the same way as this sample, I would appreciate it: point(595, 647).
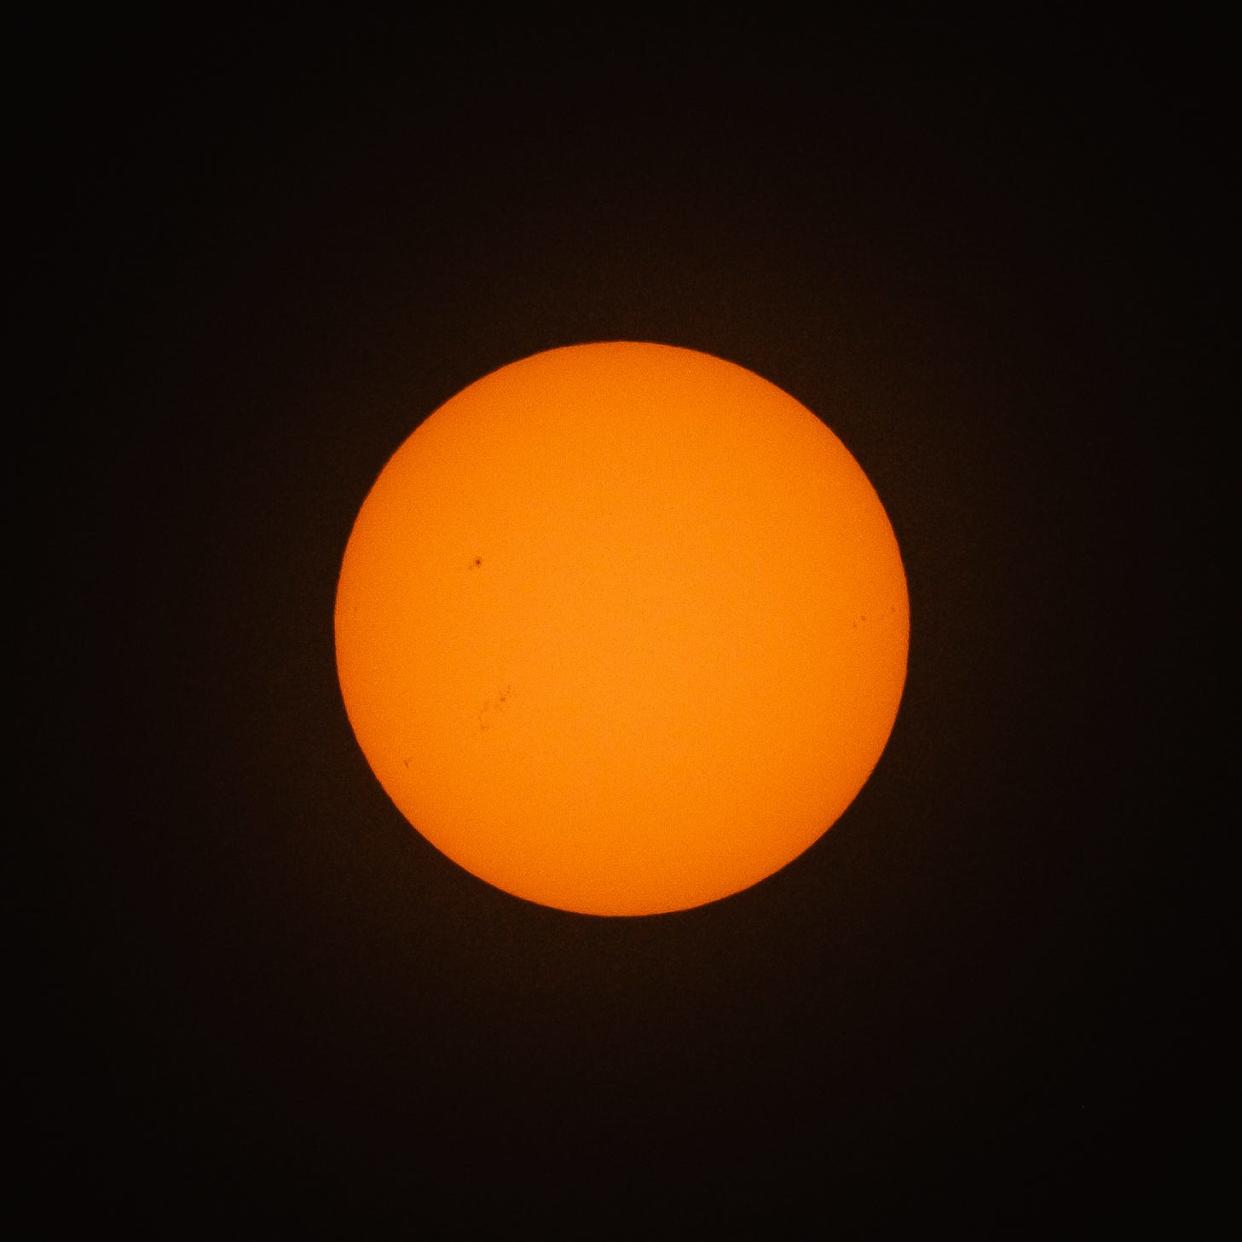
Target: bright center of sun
point(622, 628)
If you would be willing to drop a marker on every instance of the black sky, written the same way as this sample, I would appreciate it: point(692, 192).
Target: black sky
point(985, 257)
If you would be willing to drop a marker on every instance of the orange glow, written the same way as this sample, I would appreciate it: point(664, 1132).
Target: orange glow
point(622, 628)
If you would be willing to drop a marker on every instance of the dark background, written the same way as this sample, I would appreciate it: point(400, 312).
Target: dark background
point(985, 257)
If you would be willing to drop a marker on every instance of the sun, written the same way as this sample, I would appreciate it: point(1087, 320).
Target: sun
point(622, 628)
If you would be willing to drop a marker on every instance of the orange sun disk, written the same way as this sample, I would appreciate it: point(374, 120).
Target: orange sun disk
point(622, 628)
